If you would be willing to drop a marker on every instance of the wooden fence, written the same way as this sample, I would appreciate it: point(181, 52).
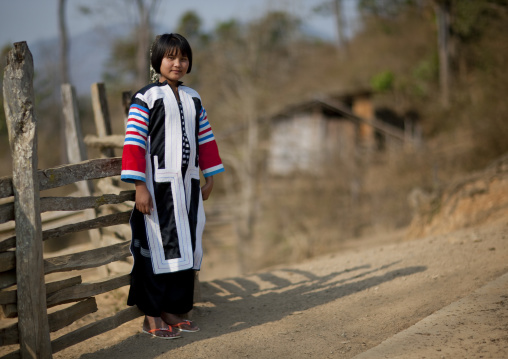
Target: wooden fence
point(22, 263)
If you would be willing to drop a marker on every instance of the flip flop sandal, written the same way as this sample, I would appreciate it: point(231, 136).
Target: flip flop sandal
point(189, 323)
point(151, 332)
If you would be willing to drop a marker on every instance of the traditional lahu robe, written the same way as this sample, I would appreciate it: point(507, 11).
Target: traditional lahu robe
point(153, 153)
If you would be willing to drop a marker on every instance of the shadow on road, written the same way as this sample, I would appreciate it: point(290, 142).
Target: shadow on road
point(234, 304)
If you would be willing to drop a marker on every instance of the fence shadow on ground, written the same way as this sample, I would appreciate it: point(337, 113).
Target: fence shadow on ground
point(239, 303)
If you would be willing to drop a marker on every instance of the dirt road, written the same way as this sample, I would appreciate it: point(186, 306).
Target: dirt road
point(342, 305)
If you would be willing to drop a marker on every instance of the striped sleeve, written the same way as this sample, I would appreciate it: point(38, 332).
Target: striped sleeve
point(134, 147)
point(209, 159)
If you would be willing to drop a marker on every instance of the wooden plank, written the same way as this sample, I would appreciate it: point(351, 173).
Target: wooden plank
point(49, 219)
point(7, 279)
point(67, 316)
point(104, 221)
point(22, 126)
point(82, 260)
point(88, 259)
point(57, 320)
point(101, 222)
point(87, 290)
point(6, 244)
point(6, 187)
point(9, 335)
point(6, 212)
point(79, 203)
point(13, 355)
point(55, 286)
point(101, 115)
point(49, 204)
point(96, 328)
point(9, 296)
point(10, 310)
point(68, 174)
point(113, 141)
point(86, 170)
point(7, 261)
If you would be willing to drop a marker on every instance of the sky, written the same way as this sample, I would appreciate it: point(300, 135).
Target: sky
point(34, 20)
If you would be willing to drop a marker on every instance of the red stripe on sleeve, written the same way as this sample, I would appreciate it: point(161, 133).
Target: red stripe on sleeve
point(209, 155)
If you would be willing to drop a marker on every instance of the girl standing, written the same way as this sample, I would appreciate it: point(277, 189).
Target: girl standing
point(168, 140)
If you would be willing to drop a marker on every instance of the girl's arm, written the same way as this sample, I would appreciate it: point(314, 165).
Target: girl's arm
point(207, 188)
point(134, 149)
point(210, 162)
point(144, 202)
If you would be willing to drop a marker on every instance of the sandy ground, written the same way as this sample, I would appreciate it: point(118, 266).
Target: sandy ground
point(346, 304)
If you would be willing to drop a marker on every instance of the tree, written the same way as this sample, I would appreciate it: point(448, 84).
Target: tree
point(129, 60)
point(64, 71)
point(64, 43)
point(336, 8)
point(145, 9)
point(190, 26)
point(244, 64)
point(443, 32)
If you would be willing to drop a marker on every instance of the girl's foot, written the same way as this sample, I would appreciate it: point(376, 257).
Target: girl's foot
point(180, 324)
point(156, 327)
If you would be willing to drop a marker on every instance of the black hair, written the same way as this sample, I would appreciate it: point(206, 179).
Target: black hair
point(169, 44)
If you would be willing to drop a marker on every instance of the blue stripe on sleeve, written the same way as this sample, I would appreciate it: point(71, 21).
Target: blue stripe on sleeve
point(214, 172)
point(206, 137)
point(140, 107)
point(127, 138)
point(137, 128)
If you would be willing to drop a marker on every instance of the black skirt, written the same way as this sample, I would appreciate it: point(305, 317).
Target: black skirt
point(155, 293)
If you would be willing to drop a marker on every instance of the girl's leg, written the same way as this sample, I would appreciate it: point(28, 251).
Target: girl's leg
point(157, 327)
point(179, 322)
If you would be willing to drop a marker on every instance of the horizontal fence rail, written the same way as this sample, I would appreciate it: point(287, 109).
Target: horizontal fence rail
point(68, 174)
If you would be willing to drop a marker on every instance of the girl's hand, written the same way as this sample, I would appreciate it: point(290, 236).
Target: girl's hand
point(144, 202)
point(207, 188)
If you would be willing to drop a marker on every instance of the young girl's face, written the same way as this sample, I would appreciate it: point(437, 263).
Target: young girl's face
point(173, 67)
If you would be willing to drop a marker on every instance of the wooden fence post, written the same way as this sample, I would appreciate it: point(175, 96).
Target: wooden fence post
point(126, 102)
point(76, 150)
point(22, 126)
point(101, 115)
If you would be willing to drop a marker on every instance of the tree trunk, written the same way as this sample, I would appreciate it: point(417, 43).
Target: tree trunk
point(443, 24)
point(64, 44)
point(143, 34)
point(64, 69)
point(339, 18)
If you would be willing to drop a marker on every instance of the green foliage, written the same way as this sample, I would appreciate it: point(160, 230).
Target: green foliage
point(189, 25)
point(470, 18)
point(121, 67)
point(277, 27)
point(424, 74)
point(383, 81)
point(228, 31)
